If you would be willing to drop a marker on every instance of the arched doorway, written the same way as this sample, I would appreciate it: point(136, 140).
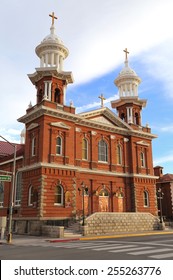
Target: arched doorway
point(103, 201)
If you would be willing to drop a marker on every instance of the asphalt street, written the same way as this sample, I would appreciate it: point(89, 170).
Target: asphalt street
point(149, 247)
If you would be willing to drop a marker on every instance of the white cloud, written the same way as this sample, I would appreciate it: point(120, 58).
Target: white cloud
point(112, 26)
point(158, 64)
point(163, 159)
point(164, 128)
point(95, 31)
point(95, 104)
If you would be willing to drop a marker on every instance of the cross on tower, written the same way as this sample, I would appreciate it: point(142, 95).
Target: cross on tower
point(53, 17)
point(126, 52)
point(102, 99)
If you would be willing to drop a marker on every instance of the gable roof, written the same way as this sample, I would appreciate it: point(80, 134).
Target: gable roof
point(105, 116)
point(166, 178)
point(7, 150)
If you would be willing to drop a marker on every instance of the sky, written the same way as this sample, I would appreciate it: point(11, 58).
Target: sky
point(96, 32)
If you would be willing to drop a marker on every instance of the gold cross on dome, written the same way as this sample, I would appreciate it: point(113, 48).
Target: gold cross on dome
point(102, 99)
point(53, 17)
point(126, 52)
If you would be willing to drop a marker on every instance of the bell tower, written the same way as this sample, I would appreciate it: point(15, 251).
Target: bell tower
point(50, 79)
point(129, 106)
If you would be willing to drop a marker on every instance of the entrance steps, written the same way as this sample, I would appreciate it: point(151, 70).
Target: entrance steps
point(73, 230)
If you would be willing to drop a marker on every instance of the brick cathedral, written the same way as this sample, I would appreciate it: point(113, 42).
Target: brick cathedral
point(70, 164)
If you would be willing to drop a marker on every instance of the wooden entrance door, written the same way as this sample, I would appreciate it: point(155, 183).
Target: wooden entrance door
point(104, 201)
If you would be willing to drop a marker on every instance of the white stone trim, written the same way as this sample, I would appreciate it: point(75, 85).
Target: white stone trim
point(60, 124)
point(32, 125)
point(86, 170)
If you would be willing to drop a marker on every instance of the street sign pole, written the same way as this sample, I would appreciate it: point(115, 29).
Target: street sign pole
point(9, 235)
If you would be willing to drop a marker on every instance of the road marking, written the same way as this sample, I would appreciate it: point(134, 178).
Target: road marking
point(130, 249)
point(94, 246)
point(163, 241)
point(81, 245)
point(74, 245)
point(163, 256)
point(151, 251)
point(114, 247)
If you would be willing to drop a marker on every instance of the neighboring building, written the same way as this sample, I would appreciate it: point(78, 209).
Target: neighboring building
point(98, 154)
point(164, 187)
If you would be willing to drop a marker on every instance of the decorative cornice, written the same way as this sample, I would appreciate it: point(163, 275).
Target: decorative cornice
point(125, 100)
point(85, 170)
point(52, 72)
point(119, 127)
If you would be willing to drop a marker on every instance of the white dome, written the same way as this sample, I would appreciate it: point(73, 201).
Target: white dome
point(52, 51)
point(52, 38)
point(127, 82)
point(127, 71)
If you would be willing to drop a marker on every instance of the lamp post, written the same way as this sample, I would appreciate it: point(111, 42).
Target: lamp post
point(84, 188)
point(9, 234)
point(160, 197)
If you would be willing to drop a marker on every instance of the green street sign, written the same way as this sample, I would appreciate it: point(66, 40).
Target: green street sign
point(6, 178)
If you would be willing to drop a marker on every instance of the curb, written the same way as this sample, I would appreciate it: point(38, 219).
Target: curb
point(109, 236)
point(123, 235)
point(94, 237)
point(63, 240)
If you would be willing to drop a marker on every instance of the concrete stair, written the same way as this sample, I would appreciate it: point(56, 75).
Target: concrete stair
point(73, 230)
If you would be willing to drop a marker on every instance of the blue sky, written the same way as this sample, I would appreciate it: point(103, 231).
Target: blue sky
point(95, 32)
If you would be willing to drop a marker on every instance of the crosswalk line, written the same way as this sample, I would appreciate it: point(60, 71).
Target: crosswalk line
point(94, 246)
point(114, 247)
point(162, 256)
point(74, 245)
point(80, 245)
point(150, 251)
point(130, 249)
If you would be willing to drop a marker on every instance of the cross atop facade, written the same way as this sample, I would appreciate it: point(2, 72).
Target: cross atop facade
point(53, 17)
point(126, 52)
point(102, 99)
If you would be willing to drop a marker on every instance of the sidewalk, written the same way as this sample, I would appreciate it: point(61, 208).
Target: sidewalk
point(20, 240)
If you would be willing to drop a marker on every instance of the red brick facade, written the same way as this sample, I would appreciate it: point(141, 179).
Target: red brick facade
point(63, 151)
point(164, 187)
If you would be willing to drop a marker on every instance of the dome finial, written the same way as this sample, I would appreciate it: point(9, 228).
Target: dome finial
point(126, 58)
point(53, 17)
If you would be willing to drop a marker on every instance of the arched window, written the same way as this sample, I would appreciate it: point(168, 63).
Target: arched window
point(30, 195)
point(84, 149)
point(146, 199)
point(136, 119)
point(103, 192)
point(102, 151)
point(59, 145)
point(1, 194)
point(33, 146)
point(119, 154)
point(122, 116)
point(57, 95)
point(40, 96)
point(59, 195)
point(142, 155)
